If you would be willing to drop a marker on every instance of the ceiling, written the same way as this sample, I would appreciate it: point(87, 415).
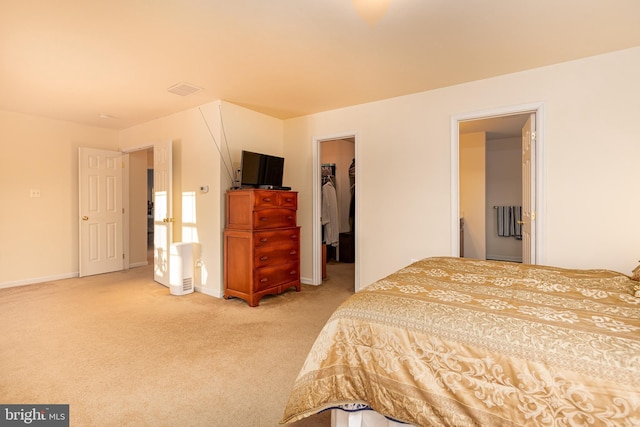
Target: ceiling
point(80, 60)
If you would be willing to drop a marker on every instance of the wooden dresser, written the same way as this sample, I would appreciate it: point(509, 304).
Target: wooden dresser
point(261, 244)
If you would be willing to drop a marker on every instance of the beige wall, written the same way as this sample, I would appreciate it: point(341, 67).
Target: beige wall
point(39, 236)
point(590, 158)
point(197, 162)
point(590, 155)
point(473, 193)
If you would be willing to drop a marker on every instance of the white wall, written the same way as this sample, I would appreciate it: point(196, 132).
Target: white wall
point(197, 162)
point(590, 155)
point(400, 212)
point(39, 236)
point(473, 148)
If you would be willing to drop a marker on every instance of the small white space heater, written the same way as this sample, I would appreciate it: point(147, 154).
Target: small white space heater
point(182, 259)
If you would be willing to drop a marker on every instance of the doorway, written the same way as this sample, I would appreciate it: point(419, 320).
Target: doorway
point(150, 201)
point(491, 187)
point(139, 202)
point(508, 126)
point(334, 210)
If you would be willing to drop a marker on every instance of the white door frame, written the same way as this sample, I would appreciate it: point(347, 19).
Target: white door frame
point(316, 228)
point(538, 227)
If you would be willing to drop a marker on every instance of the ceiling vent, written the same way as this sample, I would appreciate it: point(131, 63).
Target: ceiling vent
point(184, 89)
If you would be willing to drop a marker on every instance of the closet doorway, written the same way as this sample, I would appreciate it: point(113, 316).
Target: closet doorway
point(335, 224)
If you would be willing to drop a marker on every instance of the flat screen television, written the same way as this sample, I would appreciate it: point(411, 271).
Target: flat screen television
point(261, 170)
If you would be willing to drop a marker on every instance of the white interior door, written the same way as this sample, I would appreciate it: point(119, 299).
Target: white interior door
point(528, 191)
point(162, 212)
point(100, 209)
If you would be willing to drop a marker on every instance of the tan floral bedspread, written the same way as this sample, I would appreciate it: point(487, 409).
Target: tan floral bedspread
point(459, 342)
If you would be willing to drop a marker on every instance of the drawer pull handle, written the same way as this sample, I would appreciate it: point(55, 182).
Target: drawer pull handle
point(264, 218)
point(264, 240)
point(267, 199)
point(288, 200)
point(289, 218)
point(293, 252)
point(293, 237)
point(264, 258)
point(264, 280)
point(292, 272)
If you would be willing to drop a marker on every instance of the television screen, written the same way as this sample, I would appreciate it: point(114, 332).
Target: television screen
point(273, 170)
point(250, 169)
point(261, 170)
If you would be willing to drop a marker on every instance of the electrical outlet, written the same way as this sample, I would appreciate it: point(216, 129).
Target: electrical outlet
point(34, 192)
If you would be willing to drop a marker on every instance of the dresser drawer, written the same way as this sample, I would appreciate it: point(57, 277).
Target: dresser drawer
point(258, 209)
point(288, 199)
point(274, 218)
point(276, 254)
point(269, 277)
point(265, 199)
point(275, 237)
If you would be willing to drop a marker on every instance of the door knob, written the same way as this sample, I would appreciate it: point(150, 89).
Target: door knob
point(85, 218)
point(521, 222)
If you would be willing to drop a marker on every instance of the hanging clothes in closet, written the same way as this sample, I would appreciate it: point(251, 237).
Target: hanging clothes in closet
point(329, 216)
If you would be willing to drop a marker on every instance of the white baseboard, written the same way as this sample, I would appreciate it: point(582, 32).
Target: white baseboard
point(208, 291)
point(139, 264)
point(306, 281)
point(37, 280)
point(504, 258)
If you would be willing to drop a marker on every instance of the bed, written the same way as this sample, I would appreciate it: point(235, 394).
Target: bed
point(458, 342)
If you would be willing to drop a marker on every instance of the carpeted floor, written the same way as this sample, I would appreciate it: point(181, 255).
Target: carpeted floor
point(122, 351)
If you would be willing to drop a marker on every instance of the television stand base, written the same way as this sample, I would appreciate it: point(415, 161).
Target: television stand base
point(273, 187)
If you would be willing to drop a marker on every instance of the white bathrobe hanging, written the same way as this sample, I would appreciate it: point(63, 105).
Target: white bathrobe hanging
point(329, 217)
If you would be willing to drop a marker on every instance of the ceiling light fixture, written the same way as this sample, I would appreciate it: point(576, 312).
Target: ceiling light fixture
point(371, 10)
